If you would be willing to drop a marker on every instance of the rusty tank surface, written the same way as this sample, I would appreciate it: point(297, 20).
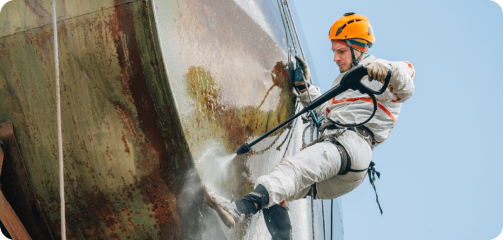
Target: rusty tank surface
point(154, 96)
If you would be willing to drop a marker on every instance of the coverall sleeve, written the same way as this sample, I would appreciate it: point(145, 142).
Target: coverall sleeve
point(401, 86)
point(315, 93)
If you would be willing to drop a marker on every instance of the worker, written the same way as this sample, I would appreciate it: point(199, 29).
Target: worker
point(339, 160)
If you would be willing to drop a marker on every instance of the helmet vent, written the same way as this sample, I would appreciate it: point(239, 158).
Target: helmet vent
point(340, 30)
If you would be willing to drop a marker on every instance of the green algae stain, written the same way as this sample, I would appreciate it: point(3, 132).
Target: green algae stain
point(203, 90)
point(233, 124)
point(229, 124)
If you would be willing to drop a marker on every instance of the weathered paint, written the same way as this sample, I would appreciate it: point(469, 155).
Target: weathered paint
point(144, 96)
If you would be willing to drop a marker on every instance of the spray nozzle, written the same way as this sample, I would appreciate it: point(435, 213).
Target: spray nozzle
point(245, 148)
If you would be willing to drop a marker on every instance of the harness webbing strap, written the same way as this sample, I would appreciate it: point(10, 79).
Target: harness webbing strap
point(346, 163)
point(345, 166)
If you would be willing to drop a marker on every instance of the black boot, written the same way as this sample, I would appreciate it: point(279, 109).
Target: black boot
point(278, 223)
point(259, 195)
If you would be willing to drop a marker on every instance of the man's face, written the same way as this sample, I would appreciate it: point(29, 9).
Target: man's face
point(342, 55)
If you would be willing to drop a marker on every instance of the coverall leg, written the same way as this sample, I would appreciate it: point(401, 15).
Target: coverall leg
point(292, 178)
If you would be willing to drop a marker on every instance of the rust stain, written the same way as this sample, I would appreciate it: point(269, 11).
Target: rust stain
point(94, 207)
point(155, 156)
point(127, 121)
point(163, 204)
point(125, 143)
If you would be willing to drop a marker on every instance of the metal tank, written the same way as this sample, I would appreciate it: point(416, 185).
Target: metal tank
point(154, 96)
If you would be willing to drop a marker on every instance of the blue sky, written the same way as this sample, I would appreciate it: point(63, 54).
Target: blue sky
point(441, 167)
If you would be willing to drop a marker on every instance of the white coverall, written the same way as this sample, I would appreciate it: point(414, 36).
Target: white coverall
point(292, 178)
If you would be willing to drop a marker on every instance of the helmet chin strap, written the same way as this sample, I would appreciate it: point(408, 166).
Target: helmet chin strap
point(356, 61)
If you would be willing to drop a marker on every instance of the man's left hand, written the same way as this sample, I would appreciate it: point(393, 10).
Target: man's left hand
point(378, 71)
point(302, 74)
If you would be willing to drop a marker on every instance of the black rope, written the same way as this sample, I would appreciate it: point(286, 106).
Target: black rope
point(332, 221)
point(372, 172)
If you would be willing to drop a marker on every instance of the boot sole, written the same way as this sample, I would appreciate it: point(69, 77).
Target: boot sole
point(224, 215)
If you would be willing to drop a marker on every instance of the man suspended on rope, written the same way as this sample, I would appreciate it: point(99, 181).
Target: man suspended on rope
point(339, 159)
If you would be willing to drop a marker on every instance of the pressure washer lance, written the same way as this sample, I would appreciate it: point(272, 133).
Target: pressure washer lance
point(351, 80)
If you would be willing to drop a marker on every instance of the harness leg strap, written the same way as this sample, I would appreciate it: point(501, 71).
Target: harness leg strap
point(345, 161)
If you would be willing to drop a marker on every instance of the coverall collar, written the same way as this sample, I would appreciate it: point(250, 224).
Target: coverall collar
point(367, 60)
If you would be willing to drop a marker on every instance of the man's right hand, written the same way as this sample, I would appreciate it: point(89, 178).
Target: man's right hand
point(378, 71)
point(302, 74)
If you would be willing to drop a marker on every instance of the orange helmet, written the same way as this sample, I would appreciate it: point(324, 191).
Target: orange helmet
point(352, 25)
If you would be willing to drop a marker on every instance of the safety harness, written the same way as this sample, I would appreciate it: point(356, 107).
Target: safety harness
point(345, 168)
